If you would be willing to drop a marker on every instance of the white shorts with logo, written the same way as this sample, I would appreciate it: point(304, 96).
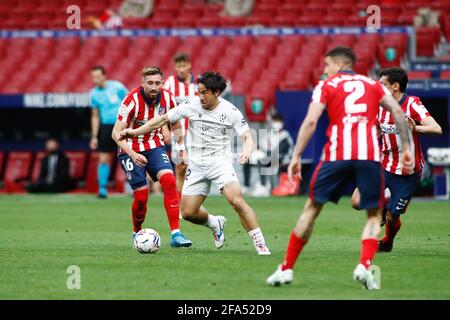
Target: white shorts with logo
point(200, 176)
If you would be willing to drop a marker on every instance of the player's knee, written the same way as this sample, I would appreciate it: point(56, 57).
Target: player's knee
point(237, 202)
point(168, 181)
point(355, 205)
point(140, 198)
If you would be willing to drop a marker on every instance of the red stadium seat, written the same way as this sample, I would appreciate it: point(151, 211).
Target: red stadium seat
point(419, 75)
point(120, 179)
point(37, 165)
point(243, 42)
point(91, 173)
point(77, 164)
point(445, 75)
point(2, 164)
point(17, 171)
point(218, 42)
point(295, 84)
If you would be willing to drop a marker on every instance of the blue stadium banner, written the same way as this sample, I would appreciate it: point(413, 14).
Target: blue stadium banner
point(247, 31)
point(45, 100)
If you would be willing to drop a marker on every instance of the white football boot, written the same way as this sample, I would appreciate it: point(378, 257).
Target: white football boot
point(280, 277)
point(219, 237)
point(262, 250)
point(366, 277)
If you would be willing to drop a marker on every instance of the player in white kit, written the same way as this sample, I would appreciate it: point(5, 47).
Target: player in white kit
point(212, 121)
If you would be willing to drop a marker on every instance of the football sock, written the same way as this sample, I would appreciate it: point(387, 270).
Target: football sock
point(139, 208)
point(175, 231)
point(212, 223)
point(392, 232)
point(368, 249)
point(103, 177)
point(295, 246)
point(171, 200)
point(257, 237)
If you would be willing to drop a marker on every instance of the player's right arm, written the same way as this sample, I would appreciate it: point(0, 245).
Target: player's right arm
point(305, 134)
point(137, 158)
point(172, 116)
point(126, 111)
point(151, 125)
point(391, 105)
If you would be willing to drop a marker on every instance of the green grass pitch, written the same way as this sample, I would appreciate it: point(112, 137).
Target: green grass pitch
point(40, 236)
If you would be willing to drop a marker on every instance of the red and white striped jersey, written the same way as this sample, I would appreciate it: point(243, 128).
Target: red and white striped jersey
point(390, 139)
point(352, 102)
point(182, 91)
point(137, 109)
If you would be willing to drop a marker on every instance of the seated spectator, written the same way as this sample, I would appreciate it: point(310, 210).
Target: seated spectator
point(237, 8)
point(110, 19)
point(136, 8)
point(277, 142)
point(54, 176)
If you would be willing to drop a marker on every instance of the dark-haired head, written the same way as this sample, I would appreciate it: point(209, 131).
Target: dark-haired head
point(395, 79)
point(182, 65)
point(338, 59)
point(152, 81)
point(98, 75)
point(210, 85)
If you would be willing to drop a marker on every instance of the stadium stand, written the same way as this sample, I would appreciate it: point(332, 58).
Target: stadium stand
point(257, 66)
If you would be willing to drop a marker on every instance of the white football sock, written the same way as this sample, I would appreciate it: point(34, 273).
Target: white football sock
point(212, 223)
point(257, 237)
point(175, 231)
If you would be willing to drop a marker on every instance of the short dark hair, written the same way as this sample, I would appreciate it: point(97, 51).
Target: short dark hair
point(277, 117)
point(181, 57)
point(396, 75)
point(343, 52)
point(151, 71)
point(213, 81)
point(98, 67)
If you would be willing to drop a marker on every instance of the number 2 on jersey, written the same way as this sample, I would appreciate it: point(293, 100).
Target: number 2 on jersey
point(357, 91)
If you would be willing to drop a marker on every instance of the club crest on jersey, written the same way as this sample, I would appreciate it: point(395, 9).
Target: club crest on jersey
point(222, 118)
point(161, 110)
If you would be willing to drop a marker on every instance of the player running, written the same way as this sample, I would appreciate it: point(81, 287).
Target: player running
point(212, 120)
point(182, 85)
point(400, 183)
point(105, 103)
point(351, 152)
point(146, 152)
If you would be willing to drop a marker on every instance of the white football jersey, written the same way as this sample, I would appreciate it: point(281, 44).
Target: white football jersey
point(210, 132)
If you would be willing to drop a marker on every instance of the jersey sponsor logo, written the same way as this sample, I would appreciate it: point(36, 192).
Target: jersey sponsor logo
point(348, 119)
point(161, 110)
point(388, 128)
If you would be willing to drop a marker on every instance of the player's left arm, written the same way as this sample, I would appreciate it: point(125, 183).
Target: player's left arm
point(427, 126)
point(420, 119)
point(247, 147)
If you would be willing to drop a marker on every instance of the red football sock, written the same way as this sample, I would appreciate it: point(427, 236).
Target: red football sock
point(368, 249)
point(294, 248)
point(171, 200)
point(392, 232)
point(139, 208)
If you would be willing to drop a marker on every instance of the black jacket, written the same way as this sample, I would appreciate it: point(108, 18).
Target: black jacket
point(61, 171)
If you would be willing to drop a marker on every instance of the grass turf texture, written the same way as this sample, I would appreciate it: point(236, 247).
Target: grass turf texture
point(40, 236)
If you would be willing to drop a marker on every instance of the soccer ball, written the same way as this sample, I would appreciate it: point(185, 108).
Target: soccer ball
point(147, 241)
